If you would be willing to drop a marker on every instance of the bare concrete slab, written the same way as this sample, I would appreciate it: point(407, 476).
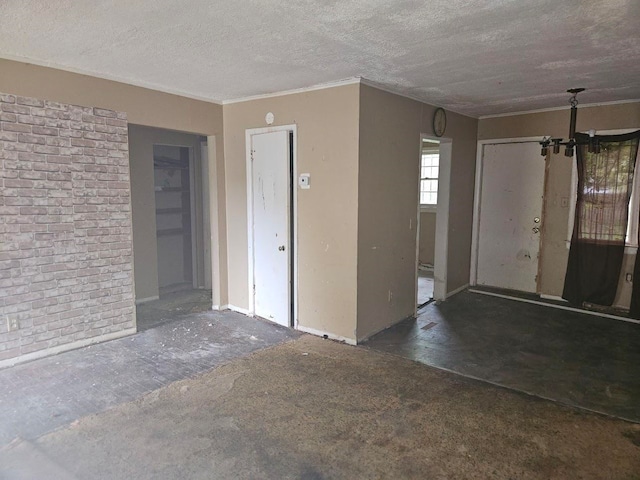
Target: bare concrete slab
point(425, 286)
point(49, 393)
point(315, 409)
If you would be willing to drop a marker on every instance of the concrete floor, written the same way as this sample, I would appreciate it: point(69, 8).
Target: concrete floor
point(41, 396)
point(172, 305)
point(425, 286)
point(578, 359)
point(315, 409)
point(196, 395)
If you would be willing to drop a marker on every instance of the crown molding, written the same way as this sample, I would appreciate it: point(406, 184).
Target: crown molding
point(112, 78)
point(555, 109)
point(312, 88)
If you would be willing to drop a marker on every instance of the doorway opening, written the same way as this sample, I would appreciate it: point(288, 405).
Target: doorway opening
point(170, 177)
point(429, 174)
point(173, 182)
point(433, 220)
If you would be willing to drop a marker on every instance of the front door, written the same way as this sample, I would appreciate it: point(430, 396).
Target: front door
point(510, 216)
point(270, 164)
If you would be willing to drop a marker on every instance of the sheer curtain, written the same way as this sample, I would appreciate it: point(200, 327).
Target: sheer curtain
point(599, 234)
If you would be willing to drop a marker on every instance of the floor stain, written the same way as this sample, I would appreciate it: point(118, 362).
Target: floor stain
point(339, 412)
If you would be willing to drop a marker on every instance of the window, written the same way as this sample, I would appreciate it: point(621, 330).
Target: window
point(429, 170)
point(605, 188)
point(634, 207)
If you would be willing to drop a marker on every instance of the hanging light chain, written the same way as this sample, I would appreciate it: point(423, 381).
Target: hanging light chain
point(573, 101)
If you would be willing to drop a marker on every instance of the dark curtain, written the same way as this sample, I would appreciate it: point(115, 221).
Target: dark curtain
point(605, 180)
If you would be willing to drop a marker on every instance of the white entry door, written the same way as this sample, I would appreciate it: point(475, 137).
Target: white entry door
point(510, 216)
point(270, 163)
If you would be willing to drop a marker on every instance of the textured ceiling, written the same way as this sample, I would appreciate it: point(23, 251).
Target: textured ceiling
point(471, 56)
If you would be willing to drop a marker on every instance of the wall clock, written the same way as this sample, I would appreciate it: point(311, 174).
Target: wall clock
point(439, 122)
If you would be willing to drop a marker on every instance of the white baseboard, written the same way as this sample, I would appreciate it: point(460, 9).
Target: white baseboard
point(10, 362)
point(457, 290)
point(140, 301)
point(312, 331)
point(319, 333)
point(555, 298)
point(560, 307)
point(233, 308)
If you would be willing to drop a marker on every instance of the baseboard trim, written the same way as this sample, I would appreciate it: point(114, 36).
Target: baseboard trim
point(555, 298)
point(560, 307)
point(375, 332)
point(233, 308)
point(140, 301)
point(320, 333)
point(10, 362)
point(457, 290)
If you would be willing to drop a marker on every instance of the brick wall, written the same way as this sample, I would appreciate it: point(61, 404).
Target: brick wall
point(66, 276)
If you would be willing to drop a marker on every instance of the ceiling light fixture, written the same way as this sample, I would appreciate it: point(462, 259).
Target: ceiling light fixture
point(593, 143)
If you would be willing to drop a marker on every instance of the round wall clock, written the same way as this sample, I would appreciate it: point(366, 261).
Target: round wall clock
point(439, 122)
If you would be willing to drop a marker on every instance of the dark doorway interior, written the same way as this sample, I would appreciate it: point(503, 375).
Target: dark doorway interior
point(172, 182)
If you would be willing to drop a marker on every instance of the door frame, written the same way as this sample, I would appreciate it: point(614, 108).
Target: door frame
point(441, 250)
point(293, 218)
point(206, 216)
point(477, 195)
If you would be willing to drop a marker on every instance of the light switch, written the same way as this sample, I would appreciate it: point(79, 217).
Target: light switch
point(304, 181)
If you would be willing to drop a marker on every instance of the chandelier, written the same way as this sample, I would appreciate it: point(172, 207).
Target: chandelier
point(592, 143)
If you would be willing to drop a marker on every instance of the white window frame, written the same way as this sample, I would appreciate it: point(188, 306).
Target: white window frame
point(631, 240)
point(431, 149)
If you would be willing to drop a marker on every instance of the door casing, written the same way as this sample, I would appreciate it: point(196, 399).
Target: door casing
point(441, 249)
point(293, 216)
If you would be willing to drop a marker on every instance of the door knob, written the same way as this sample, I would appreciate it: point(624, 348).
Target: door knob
point(535, 229)
point(281, 248)
point(536, 220)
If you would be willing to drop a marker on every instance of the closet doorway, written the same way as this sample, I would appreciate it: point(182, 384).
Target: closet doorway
point(173, 184)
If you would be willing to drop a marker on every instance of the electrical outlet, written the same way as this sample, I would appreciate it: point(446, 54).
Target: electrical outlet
point(629, 277)
point(12, 324)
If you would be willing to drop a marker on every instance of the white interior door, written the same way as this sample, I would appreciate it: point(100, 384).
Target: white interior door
point(510, 216)
point(270, 209)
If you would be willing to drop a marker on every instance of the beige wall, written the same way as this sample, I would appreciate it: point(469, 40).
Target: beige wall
point(556, 124)
point(327, 136)
point(143, 107)
point(145, 246)
point(427, 245)
point(463, 131)
point(390, 128)
point(387, 206)
point(337, 261)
